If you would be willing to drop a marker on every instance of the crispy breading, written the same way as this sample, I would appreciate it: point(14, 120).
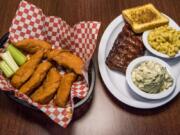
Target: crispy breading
point(26, 70)
point(33, 45)
point(49, 87)
point(67, 59)
point(64, 89)
point(36, 79)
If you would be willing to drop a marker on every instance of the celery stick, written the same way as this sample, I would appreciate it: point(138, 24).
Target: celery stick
point(6, 69)
point(9, 60)
point(17, 55)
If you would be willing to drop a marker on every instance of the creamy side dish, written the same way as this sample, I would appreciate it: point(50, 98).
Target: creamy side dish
point(151, 77)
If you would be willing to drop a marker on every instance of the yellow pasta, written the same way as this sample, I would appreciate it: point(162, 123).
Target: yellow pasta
point(165, 40)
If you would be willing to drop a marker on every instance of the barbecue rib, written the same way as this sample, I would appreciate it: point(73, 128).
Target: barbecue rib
point(127, 47)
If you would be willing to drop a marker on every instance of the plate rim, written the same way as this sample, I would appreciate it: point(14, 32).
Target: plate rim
point(102, 68)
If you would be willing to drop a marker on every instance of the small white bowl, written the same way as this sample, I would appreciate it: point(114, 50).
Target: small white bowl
point(135, 63)
point(148, 46)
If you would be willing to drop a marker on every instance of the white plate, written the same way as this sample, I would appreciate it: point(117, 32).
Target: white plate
point(116, 82)
point(135, 63)
point(173, 24)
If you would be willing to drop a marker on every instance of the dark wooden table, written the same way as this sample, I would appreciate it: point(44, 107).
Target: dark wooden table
point(106, 116)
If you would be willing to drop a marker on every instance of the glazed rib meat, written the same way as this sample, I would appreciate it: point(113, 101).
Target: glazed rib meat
point(127, 47)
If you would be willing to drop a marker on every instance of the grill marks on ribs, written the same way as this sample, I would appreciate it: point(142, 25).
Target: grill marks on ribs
point(127, 47)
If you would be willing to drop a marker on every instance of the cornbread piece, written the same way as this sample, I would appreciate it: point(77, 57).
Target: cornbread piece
point(127, 47)
point(144, 17)
point(26, 70)
point(49, 87)
point(33, 45)
point(36, 78)
point(64, 89)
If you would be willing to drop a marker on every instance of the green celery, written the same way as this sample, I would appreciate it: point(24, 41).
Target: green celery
point(6, 69)
point(17, 55)
point(6, 56)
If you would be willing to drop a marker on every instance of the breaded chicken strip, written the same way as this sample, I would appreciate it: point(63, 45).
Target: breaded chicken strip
point(33, 45)
point(64, 89)
point(26, 70)
point(49, 87)
point(67, 59)
point(36, 78)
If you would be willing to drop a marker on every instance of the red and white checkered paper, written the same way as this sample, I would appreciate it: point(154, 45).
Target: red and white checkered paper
point(30, 22)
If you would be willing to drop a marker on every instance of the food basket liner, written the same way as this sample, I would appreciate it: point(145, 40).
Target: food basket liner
point(30, 22)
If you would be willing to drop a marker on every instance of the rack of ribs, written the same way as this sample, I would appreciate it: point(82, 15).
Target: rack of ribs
point(127, 47)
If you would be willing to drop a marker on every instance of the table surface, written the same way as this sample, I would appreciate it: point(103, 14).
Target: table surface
point(106, 115)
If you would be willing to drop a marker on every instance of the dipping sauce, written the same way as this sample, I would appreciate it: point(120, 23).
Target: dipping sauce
point(151, 77)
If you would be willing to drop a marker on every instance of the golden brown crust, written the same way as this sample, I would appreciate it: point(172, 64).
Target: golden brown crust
point(36, 78)
point(144, 17)
point(26, 70)
point(49, 87)
point(67, 59)
point(64, 89)
point(33, 45)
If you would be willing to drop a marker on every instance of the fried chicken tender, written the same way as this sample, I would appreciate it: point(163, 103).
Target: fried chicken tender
point(33, 45)
point(36, 79)
point(67, 59)
point(26, 70)
point(64, 89)
point(49, 87)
